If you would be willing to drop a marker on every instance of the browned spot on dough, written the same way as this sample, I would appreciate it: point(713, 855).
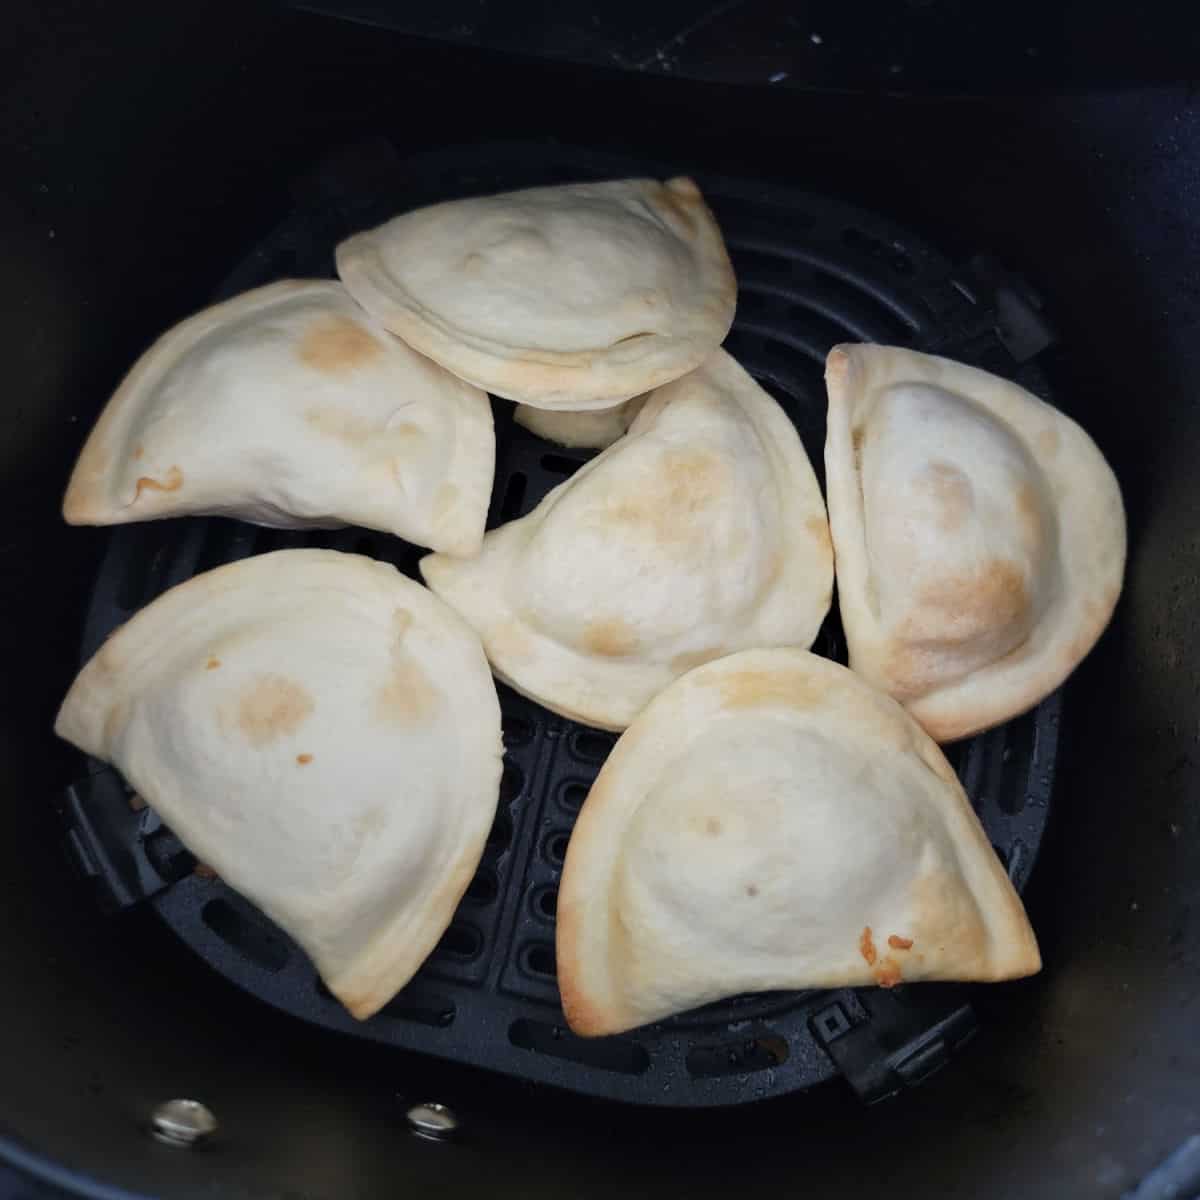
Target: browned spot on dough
point(986, 603)
point(888, 973)
point(866, 947)
point(1027, 502)
point(669, 507)
point(899, 943)
point(136, 802)
point(913, 670)
point(1047, 441)
point(1029, 511)
point(405, 431)
point(348, 427)
point(997, 594)
point(138, 451)
point(609, 637)
point(685, 188)
point(509, 642)
point(336, 344)
point(858, 436)
point(679, 200)
point(304, 759)
point(951, 493)
point(943, 909)
point(407, 697)
point(752, 889)
point(172, 483)
point(693, 659)
point(204, 871)
point(272, 707)
point(744, 689)
point(212, 664)
point(712, 825)
point(818, 527)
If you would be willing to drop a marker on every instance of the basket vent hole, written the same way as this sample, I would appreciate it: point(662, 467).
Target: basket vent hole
point(573, 795)
point(246, 933)
point(484, 888)
point(556, 848)
point(737, 1058)
point(608, 1054)
point(514, 495)
point(460, 941)
point(412, 1004)
point(958, 755)
point(1015, 864)
point(1019, 748)
point(425, 1008)
point(560, 464)
point(539, 960)
point(591, 745)
point(168, 855)
point(512, 783)
point(546, 903)
point(500, 837)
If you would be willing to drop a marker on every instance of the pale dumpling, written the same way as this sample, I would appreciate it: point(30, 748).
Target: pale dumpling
point(586, 429)
point(979, 535)
point(700, 532)
point(770, 821)
point(321, 731)
point(577, 296)
point(288, 406)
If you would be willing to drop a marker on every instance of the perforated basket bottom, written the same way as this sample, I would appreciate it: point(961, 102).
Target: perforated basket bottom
point(812, 271)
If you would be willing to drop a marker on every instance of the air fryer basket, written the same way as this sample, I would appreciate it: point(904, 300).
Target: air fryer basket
point(146, 147)
point(812, 272)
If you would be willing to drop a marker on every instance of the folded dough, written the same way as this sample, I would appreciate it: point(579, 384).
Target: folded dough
point(590, 429)
point(290, 407)
point(979, 534)
point(325, 734)
point(573, 297)
point(771, 821)
point(700, 532)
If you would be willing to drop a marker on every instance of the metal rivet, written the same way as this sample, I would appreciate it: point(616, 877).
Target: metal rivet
point(432, 1121)
point(183, 1123)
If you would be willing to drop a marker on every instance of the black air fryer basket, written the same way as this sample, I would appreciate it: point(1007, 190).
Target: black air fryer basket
point(969, 184)
point(812, 272)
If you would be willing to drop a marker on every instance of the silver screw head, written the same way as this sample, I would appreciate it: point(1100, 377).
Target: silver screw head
point(434, 1121)
point(183, 1123)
